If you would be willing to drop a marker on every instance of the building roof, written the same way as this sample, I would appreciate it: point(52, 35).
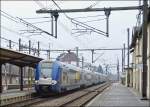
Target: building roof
point(67, 57)
point(18, 58)
point(135, 35)
point(137, 31)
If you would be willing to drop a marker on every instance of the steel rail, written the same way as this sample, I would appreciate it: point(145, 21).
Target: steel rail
point(69, 99)
point(83, 100)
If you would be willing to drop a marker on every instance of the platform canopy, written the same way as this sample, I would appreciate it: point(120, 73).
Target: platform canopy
point(18, 58)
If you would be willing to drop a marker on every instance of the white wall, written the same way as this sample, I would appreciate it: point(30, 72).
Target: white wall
point(148, 63)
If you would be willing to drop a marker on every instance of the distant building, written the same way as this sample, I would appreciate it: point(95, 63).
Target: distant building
point(70, 58)
point(100, 69)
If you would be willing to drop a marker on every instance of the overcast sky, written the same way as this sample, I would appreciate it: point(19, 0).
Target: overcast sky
point(119, 22)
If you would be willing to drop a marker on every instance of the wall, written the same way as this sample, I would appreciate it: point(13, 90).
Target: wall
point(137, 68)
point(14, 77)
point(148, 63)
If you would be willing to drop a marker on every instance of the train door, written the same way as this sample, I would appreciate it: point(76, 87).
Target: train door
point(64, 76)
point(71, 76)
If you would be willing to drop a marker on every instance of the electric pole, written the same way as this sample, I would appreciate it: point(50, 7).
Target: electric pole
point(144, 51)
point(29, 46)
point(19, 44)
point(10, 71)
point(128, 70)
point(124, 56)
point(92, 55)
point(38, 48)
point(128, 46)
point(82, 62)
point(122, 61)
point(118, 69)
point(49, 52)
point(77, 53)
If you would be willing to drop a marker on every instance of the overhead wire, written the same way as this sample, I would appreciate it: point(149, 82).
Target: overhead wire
point(65, 15)
point(40, 22)
point(83, 24)
point(39, 3)
point(80, 23)
point(10, 30)
point(138, 17)
point(94, 20)
point(25, 22)
point(87, 16)
point(60, 9)
point(8, 40)
point(70, 17)
point(61, 23)
point(35, 17)
point(93, 5)
point(10, 17)
point(42, 6)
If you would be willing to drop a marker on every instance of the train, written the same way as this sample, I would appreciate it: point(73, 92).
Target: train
point(59, 77)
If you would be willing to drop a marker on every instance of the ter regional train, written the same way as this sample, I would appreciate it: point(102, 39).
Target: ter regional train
point(58, 77)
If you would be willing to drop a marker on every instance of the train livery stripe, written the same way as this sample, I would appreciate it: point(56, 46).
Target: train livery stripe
point(55, 71)
point(37, 72)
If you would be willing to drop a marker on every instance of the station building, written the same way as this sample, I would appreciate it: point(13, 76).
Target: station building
point(134, 77)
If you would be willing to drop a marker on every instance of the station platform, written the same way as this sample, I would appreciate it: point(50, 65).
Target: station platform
point(118, 95)
point(15, 95)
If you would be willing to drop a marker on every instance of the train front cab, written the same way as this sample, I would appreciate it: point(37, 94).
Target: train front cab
point(46, 77)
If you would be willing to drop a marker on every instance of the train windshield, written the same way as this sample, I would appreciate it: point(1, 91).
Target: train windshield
point(46, 69)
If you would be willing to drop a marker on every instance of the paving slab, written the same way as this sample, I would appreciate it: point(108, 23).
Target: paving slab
point(118, 95)
point(15, 93)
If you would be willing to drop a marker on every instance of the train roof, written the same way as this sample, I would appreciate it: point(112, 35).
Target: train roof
point(46, 60)
point(69, 66)
point(73, 67)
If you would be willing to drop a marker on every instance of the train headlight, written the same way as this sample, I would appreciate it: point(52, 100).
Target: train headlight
point(36, 82)
point(54, 82)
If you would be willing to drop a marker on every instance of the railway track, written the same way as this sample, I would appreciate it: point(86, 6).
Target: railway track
point(78, 98)
point(75, 98)
point(26, 102)
point(81, 101)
